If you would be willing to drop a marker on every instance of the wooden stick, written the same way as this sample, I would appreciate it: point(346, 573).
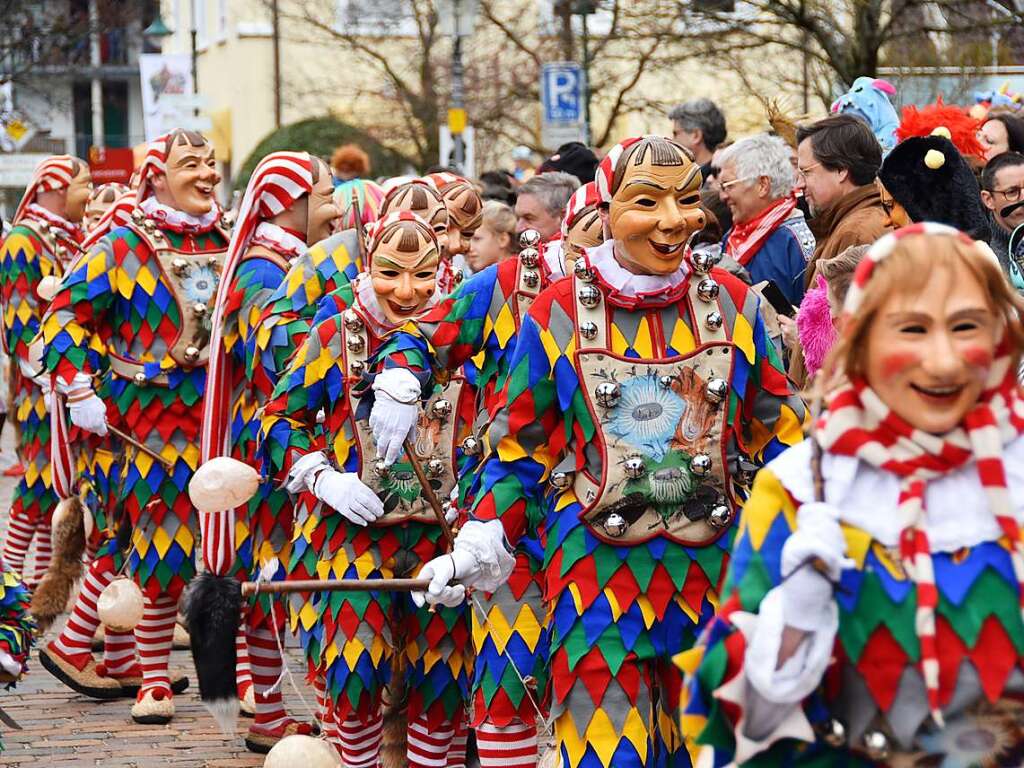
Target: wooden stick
point(144, 448)
point(428, 491)
point(337, 585)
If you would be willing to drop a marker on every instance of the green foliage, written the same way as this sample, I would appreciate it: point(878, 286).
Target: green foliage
point(321, 136)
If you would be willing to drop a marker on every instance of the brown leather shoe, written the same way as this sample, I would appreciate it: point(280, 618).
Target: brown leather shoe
point(261, 741)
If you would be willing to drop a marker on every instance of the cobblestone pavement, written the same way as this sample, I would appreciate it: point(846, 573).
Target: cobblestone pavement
point(62, 728)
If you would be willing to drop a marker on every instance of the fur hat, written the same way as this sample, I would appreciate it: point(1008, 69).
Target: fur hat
point(932, 181)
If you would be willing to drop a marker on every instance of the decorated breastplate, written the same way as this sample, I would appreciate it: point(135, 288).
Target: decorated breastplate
point(397, 485)
point(192, 279)
point(660, 425)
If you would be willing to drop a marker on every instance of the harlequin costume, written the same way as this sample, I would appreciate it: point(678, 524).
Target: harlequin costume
point(916, 659)
point(642, 401)
point(146, 291)
point(39, 246)
point(255, 542)
point(350, 638)
point(16, 628)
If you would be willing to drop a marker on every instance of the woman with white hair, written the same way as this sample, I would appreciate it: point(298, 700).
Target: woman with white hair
point(769, 235)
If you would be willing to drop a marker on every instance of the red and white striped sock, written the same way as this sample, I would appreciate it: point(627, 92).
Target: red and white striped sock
point(16, 544)
point(328, 725)
point(265, 660)
point(457, 751)
point(360, 742)
point(428, 748)
point(154, 635)
point(119, 652)
point(510, 746)
point(44, 551)
point(243, 670)
point(76, 637)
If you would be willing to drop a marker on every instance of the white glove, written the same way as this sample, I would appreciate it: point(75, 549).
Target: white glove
point(460, 566)
point(346, 493)
point(89, 413)
point(813, 558)
point(41, 380)
point(395, 411)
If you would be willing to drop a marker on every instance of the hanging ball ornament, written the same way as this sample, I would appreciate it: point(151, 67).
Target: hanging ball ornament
point(120, 605)
point(223, 483)
point(299, 751)
point(48, 288)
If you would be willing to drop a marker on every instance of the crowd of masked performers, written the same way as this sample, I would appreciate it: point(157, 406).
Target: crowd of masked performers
point(569, 495)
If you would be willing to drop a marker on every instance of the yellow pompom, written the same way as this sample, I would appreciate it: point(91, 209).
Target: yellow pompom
point(934, 159)
point(942, 131)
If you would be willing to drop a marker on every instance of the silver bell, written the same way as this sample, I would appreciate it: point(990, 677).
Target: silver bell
point(355, 344)
point(582, 271)
point(713, 320)
point(876, 744)
point(701, 261)
point(588, 330)
point(356, 366)
point(529, 238)
point(352, 321)
point(716, 390)
point(380, 469)
point(531, 279)
point(590, 295)
point(138, 216)
point(191, 354)
point(530, 257)
point(44, 227)
point(666, 381)
point(707, 290)
point(834, 733)
point(634, 467)
point(615, 525)
point(719, 516)
point(441, 409)
point(180, 266)
point(435, 467)
point(471, 446)
point(700, 464)
point(140, 379)
point(149, 225)
point(560, 480)
point(199, 309)
point(607, 394)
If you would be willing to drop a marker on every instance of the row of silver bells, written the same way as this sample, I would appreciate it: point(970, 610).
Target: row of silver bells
point(875, 744)
point(608, 393)
point(615, 525)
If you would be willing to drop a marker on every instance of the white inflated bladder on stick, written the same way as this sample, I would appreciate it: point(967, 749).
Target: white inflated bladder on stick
point(223, 483)
point(48, 287)
point(120, 605)
point(299, 751)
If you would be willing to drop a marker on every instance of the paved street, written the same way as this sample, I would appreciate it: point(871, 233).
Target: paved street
point(62, 728)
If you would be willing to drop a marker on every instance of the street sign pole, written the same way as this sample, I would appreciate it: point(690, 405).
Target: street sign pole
point(563, 102)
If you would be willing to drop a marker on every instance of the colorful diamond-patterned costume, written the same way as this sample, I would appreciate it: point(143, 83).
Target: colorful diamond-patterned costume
point(16, 627)
point(475, 329)
point(38, 248)
point(350, 637)
point(624, 601)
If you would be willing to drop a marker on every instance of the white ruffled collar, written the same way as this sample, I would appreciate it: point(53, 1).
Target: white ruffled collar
point(179, 220)
point(69, 230)
point(278, 239)
point(627, 284)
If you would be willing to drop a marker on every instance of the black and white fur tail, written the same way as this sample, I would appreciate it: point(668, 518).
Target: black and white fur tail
point(213, 609)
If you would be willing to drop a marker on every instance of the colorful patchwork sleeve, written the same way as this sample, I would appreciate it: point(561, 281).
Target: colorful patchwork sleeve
point(474, 323)
point(254, 282)
point(22, 266)
point(314, 380)
point(77, 312)
point(17, 628)
point(767, 417)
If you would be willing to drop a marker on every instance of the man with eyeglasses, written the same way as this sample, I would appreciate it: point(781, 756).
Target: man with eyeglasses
point(1002, 192)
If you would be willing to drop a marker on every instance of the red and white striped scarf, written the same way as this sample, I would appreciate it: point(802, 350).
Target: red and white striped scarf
point(747, 238)
point(858, 424)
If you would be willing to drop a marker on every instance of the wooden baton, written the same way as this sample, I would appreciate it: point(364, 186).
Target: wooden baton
point(338, 585)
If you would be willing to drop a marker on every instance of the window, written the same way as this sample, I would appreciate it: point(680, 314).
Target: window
point(376, 18)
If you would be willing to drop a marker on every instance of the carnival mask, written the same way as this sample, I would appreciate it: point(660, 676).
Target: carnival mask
point(78, 193)
point(403, 269)
point(191, 177)
point(322, 212)
point(655, 206)
point(423, 200)
point(465, 212)
point(929, 352)
point(586, 231)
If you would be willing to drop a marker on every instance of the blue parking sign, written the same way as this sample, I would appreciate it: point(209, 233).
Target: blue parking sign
point(562, 93)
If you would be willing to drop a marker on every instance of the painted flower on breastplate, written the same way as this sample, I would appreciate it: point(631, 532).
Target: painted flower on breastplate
point(199, 285)
point(646, 415)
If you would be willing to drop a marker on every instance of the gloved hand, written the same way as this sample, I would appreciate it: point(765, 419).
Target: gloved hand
point(460, 566)
point(395, 411)
point(346, 493)
point(813, 558)
point(88, 412)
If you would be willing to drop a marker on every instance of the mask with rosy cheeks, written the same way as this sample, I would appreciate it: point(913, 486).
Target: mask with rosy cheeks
point(322, 211)
point(423, 200)
point(465, 212)
point(191, 178)
point(403, 269)
point(586, 231)
point(656, 206)
point(929, 353)
point(78, 193)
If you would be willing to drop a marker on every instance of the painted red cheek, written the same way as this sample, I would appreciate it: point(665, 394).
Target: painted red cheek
point(895, 363)
point(979, 357)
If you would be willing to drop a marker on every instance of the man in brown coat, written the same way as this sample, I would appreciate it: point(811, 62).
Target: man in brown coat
point(837, 161)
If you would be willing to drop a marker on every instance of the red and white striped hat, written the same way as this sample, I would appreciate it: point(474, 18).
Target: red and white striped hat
point(53, 173)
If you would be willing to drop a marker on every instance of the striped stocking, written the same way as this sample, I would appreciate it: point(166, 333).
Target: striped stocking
point(19, 536)
point(154, 635)
point(360, 742)
point(119, 653)
point(75, 641)
point(265, 660)
point(44, 551)
point(428, 748)
point(243, 670)
point(457, 751)
point(510, 746)
point(328, 726)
